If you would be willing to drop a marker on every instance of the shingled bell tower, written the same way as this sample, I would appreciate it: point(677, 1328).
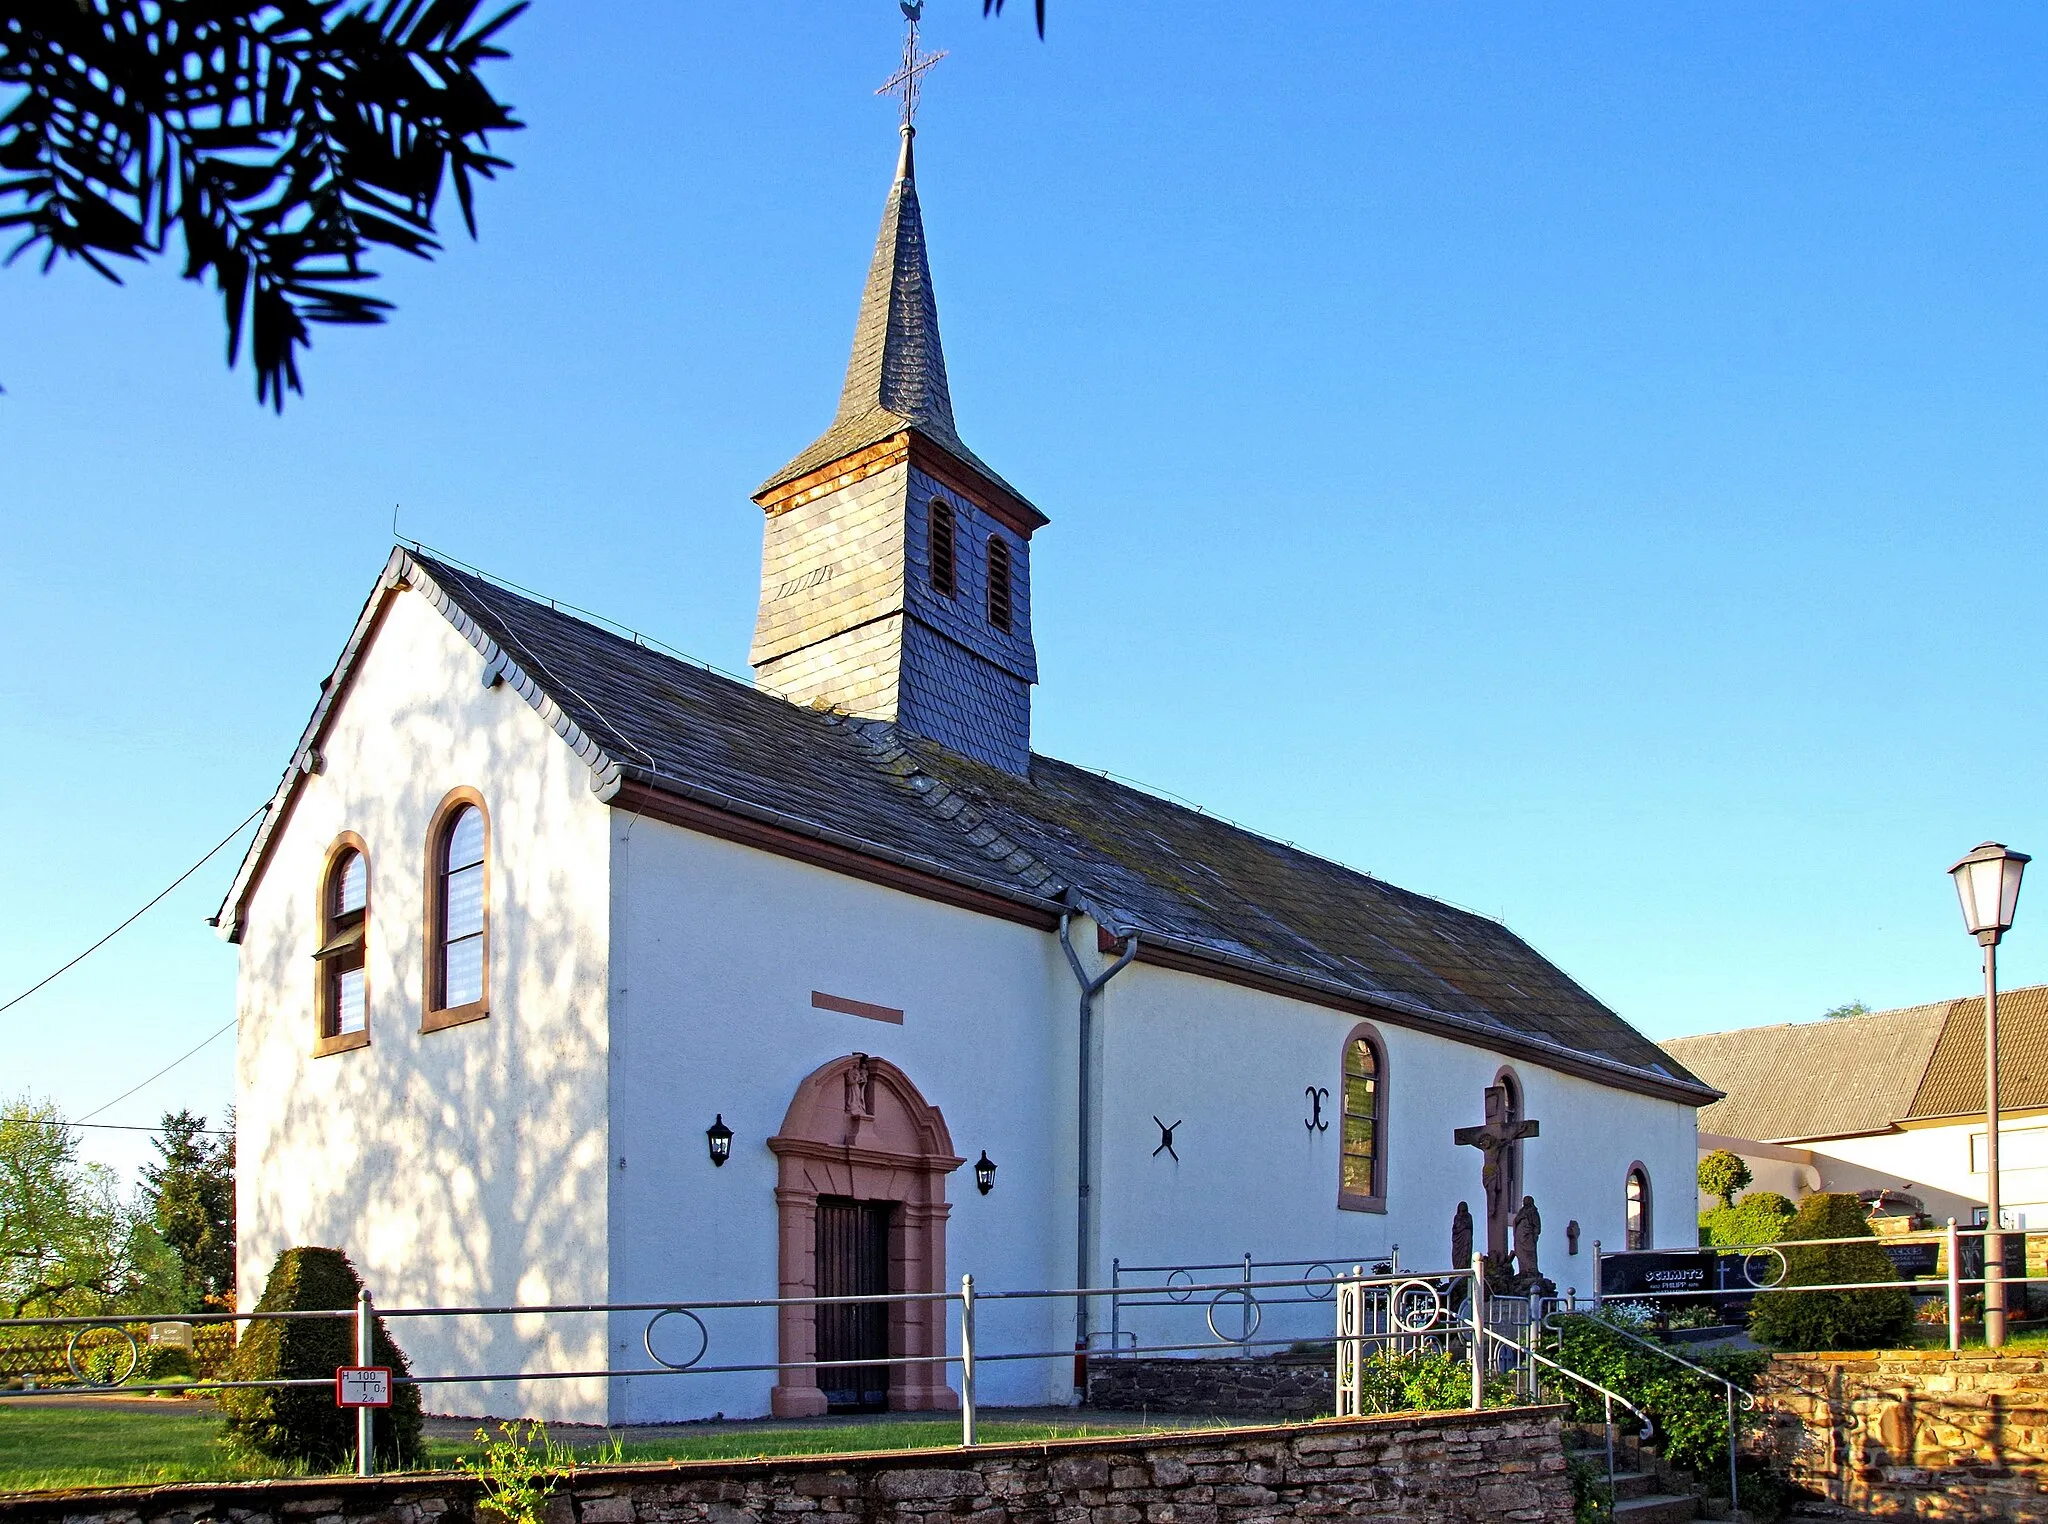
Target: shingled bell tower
point(896, 566)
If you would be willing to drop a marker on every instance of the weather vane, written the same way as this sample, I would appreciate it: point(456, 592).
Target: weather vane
point(906, 80)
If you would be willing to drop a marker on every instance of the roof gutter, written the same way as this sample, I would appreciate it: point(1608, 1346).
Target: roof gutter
point(1084, 1114)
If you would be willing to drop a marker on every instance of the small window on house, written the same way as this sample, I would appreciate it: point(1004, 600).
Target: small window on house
point(1362, 1182)
point(458, 960)
point(999, 583)
point(1636, 1209)
point(939, 558)
point(342, 1007)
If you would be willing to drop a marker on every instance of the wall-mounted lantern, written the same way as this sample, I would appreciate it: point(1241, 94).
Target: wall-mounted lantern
point(984, 1173)
point(719, 1136)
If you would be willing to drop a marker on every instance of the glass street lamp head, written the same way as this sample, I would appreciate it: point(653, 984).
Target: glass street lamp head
point(984, 1173)
point(719, 1136)
point(1988, 886)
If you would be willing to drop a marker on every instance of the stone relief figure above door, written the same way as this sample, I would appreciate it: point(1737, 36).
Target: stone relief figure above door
point(861, 1208)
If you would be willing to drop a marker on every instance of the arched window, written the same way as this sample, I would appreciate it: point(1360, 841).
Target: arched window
point(1636, 1209)
point(939, 559)
point(999, 583)
point(1362, 1178)
point(458, 912)
point(342, 998)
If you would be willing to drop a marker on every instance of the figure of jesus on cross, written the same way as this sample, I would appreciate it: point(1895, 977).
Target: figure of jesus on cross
point(1496, 1142)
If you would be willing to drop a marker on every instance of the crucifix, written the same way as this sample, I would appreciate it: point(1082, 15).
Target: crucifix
point(1496, 1144)
point(907, 80)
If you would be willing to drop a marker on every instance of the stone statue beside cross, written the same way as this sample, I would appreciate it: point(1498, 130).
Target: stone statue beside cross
point(1497, 1141)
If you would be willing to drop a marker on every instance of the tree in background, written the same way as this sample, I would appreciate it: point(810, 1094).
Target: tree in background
point(190, 1192)
point(1853, 1008)
point(279, 143)
point(1723, 1174)
point(68, 1243)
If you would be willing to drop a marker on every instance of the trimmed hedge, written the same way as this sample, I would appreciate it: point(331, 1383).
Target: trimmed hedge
point(1761, 1217)
point(302, 1423)
point(1832, 1319)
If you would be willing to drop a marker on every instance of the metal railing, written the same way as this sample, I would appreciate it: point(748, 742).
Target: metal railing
point(1409, 1312)
point(1734, 1394)
point(1175, 1286)
point(1771, 1258)
point(1229, 1301)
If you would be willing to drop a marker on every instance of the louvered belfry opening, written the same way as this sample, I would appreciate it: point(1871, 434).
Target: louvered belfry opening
point(853, 1260)
point(999, 584)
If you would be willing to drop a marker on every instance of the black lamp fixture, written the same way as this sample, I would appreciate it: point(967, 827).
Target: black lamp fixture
point(984, 1173)
point(719, 1136)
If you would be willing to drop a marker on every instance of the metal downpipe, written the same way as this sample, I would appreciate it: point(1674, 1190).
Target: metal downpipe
point(1084, 1200)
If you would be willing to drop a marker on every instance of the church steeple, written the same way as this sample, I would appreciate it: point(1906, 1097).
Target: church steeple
point(895, 567)
point(896, 375)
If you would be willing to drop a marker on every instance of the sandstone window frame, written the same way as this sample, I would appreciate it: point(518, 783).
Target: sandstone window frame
point(344, 922)
point(435, 1012)
point(1637, 1223)
point(1366, 1037)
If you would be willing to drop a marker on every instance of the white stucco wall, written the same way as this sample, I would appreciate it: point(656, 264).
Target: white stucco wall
point(464, 1165)
point(646, 978)
point(1232, 1066)
point(717, 949)
point(1932, 1161)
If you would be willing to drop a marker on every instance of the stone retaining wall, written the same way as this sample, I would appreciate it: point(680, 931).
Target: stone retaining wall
point(1281, 1387)
point(1505, 1466)
point(1914, 1433)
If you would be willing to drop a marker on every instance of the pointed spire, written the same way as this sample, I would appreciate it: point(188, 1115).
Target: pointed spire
point(896, 376)
point(898, 365)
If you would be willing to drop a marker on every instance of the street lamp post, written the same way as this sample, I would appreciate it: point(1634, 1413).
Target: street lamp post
point(1988, 885)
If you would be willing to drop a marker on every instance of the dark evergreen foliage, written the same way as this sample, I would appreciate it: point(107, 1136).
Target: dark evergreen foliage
point(191, 1194)
point(278, 141)
point(1832, 1319)
point(303, 1423)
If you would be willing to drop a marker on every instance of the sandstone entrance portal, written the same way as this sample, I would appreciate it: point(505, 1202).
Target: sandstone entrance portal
point(859, 1135)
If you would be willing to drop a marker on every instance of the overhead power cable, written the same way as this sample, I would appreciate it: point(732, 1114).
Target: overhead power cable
point(159, 899)
point(212, 1132)
point(166, 1069)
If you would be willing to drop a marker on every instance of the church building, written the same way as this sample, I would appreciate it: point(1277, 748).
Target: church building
point(572, 972)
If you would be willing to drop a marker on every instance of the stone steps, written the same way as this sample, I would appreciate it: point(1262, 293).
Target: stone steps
point(1657, 1508)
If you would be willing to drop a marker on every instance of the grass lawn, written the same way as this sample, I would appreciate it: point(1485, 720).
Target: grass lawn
point(129, 1444)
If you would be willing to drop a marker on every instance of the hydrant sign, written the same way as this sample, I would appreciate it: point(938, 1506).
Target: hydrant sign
point(362, 1386)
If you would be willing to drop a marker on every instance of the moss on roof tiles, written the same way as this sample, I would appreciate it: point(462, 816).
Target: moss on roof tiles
point(1165, 867)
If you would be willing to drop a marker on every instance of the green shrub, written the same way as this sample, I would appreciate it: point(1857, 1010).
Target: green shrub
point(162, 1362)
point(302, 1423)
point(1722, 1173)
point(1424, 1381)
point(1761, 1217)
point(1832, 1319)
point(1689, 1411)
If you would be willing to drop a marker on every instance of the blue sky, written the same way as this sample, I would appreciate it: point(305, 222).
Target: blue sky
point(1582, 461)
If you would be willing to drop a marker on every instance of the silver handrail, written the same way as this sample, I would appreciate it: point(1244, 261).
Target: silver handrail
point(1608, 1397)
point(1734, 1392)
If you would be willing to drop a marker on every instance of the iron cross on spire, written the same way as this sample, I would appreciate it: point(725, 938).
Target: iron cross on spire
point(906, 80)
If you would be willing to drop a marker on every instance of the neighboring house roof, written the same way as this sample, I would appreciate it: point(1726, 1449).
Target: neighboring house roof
point(1864, 1074)
point(709, 751)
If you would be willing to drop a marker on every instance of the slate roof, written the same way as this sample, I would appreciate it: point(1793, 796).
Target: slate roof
point(1865, 1074)
point(1061, 837)
point(896, 375)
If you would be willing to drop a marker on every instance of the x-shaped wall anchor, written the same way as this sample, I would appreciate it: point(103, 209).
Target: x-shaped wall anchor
point(1165, 1140)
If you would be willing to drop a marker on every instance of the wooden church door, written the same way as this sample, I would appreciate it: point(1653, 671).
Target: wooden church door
point(853, 1260)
